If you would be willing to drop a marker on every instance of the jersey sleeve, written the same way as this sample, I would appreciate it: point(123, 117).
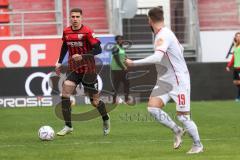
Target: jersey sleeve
point(63, 37)
point(92, 38)
point(162, 43)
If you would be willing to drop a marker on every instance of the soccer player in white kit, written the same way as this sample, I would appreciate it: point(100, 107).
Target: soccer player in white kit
point(173, 84)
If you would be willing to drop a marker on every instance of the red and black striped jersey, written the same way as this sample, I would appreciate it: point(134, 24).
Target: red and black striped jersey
point(80, 42)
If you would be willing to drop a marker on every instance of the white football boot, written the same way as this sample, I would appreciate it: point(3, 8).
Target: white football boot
point(65, 131)
point(196, 149)
point(178, 138)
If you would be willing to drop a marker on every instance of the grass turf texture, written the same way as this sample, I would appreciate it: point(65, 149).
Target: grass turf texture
point(134, 134)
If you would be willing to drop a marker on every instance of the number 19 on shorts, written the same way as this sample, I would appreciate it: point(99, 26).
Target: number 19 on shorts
point(181, 99)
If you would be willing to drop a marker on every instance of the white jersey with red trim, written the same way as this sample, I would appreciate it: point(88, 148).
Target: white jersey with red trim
point(173, 59)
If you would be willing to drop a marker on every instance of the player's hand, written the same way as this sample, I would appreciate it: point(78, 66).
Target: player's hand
point(129, 62)
point(77, 57)
point(58, 68)
point(228, 69)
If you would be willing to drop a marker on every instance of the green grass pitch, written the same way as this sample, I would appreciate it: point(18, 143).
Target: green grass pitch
point(134, 134)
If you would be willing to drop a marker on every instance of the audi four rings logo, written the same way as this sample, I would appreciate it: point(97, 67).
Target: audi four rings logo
point(46, 86)
point(46, 89)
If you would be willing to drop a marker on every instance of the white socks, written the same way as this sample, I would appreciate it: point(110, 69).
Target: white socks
point(191, 128)
point(163, 118)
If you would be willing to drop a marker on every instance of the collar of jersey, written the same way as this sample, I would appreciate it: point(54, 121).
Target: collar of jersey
point(159, 31)
point(77, 29)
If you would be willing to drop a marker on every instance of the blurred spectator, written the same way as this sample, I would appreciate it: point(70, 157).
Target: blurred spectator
point(119, 69)
point(235, 64)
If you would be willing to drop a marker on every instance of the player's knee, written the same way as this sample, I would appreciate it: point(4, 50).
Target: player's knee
point(155, 102)
point(64, 94)
point(94, 102)
point(68, 88)
point(69, 83)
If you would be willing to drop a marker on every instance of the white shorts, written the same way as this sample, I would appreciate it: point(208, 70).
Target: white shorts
point(180, 95)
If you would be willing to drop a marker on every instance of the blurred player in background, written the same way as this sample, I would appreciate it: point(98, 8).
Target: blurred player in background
point(81, 44)
point(235, 64)
point(119, 69)
point(169, 53)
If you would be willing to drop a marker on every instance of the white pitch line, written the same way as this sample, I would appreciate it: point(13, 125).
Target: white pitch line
point(108, 142)
point(12, 145)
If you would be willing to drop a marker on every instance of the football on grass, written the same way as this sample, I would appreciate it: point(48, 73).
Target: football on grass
point(46, 133)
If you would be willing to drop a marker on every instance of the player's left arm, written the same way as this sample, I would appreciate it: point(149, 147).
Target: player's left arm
point(96, 44)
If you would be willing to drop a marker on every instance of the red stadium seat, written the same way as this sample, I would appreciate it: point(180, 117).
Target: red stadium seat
point(4, 31)
point(4, 3)
point(4, 18)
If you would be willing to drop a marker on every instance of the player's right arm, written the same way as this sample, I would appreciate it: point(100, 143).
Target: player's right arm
point(161, 45)
point(153, 59)
point(63, 52)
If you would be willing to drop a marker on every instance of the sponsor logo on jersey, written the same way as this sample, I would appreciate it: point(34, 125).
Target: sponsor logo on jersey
point(80, 36)
point(75, 44)
point(159, 42)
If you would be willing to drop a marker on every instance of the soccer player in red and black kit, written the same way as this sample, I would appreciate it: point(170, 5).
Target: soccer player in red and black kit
point(81, 44)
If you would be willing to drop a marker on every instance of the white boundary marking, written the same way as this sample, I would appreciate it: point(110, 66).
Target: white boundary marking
point(108, 142)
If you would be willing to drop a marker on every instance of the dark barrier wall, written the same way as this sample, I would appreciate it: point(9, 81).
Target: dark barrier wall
point(13, 81)
point(35, 81)
point(209, 81)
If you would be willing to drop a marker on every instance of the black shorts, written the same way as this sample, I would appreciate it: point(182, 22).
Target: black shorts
point(236, 75)
point(89, 81)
